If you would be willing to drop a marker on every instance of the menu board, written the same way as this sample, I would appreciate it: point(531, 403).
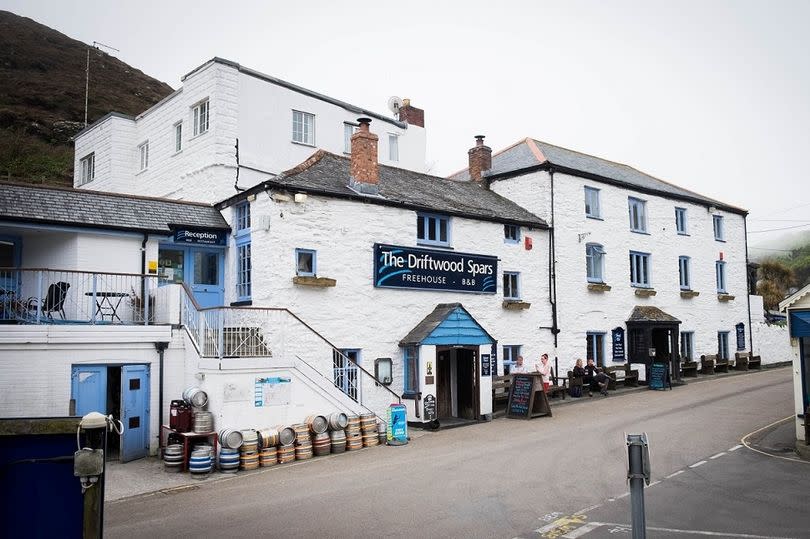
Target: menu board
point(658, 375)
point(520, 396)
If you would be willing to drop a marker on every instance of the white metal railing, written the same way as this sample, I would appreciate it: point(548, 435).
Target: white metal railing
point(50, 296)
point(254, 332)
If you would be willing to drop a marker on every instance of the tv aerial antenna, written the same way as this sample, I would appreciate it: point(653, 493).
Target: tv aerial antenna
point(96, 45)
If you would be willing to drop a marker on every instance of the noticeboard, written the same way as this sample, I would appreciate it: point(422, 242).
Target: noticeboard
point(617, 336)
point(740, 330)
point(485, 365)
point(527, 398)
point(397, 428)
point(429, 411)
point(658, 375)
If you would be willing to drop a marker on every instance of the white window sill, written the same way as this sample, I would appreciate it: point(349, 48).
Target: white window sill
point(436, 245)
point(178, 152)
point(198, 135)
point(307, 144)
point(142, 171)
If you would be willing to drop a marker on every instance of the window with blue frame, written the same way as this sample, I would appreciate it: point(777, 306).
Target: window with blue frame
point(722, 345)
point(241, 227)
point(638, 214)
point(432, 229)
point(511, 233)
point(640, 269)
point(717, 222)
point(511, 285)
point(680, 221)
point(595, 262)
point(684, 272)
point(595, 347)
point(510, 355)
point(592, 208)
point(411, 369)
point(306, 262)
point(720, 274)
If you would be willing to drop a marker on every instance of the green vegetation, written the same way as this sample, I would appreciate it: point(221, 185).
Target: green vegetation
point(777, 275)
point(28, 159)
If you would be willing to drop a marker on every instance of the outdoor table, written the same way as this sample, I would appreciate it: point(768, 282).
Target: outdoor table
point(107, 303)
point(186, 437)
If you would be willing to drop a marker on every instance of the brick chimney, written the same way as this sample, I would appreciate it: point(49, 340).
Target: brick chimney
point(364, 171)
point(411, 115)
point(480, 159)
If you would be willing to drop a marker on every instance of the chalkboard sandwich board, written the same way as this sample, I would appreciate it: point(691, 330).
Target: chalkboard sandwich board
point(527, 398)
point(659, 376)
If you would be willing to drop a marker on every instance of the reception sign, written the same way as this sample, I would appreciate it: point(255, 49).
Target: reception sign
point(200, 237)
point(428, 269)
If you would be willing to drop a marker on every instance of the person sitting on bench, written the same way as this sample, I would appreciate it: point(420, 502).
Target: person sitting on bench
point(518, 367)
point(602, 380)
point(590, 378)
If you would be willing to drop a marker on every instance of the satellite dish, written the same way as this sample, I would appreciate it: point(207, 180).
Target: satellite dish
point(394, 103)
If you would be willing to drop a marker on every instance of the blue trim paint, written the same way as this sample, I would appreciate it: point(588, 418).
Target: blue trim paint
point(135, 411)
point(212, 295)
point(88, 388)
point(458, 328)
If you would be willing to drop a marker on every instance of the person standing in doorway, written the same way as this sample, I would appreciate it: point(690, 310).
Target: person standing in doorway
point(545, 369)
point(518, 367)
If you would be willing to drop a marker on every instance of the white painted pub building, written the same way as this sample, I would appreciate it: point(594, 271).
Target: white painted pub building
point(290, 256)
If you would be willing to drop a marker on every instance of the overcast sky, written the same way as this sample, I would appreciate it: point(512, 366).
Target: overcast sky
point(713, 96)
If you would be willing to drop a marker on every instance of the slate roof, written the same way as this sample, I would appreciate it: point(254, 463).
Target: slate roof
point(425, 328)
point(95, 209)
point(327, 174)
point(531, 153)
point(650, 314)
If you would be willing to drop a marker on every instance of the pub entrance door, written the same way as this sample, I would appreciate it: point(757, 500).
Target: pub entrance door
point(457, 394)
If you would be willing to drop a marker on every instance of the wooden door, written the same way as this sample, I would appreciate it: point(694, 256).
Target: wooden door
point(444, 394)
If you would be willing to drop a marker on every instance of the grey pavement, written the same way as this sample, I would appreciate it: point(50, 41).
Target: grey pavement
point(499, 479)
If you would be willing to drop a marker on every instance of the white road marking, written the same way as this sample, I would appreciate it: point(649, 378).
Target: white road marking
point(695, 465)
point(582, 530)
point(697, 532)
point(670, 476)
point(717, 456)
point(653, 484)
point(736, 447)
point(626, 494)
point(591, 508)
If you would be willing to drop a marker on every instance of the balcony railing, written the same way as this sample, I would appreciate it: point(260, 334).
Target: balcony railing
point(48, 296)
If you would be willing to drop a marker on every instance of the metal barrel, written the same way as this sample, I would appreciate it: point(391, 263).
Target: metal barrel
point(173, 458)
point(370, 439)
point(317, 424)
point(200, 462)
point(195, 397)
point(286, 453)
point(203, 421)
point(250, 440)
point(230, 438)
point(353, 440)
point(321, 444)
point(368, 422)
point(338, 421)
point(228, 460)
point(338, 441)
point(249, 460)
point(286, 435)
point(268, 437)
point(301, 433)
point(268, 457)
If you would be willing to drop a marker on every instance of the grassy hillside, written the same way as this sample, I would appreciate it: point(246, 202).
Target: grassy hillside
point(42, 82)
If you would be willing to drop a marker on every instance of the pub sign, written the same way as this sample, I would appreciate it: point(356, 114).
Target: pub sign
point(740, 330)
point(200, 237)
point(428, 269)
point(617, 337)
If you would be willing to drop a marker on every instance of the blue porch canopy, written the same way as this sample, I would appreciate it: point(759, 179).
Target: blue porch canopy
point(800, 324)
point(449, 324)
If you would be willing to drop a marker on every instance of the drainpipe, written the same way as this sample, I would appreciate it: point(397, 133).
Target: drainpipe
point(160, 347)
point(552, 266)
point(236, 181)
point(144, 299)
point(748, 295)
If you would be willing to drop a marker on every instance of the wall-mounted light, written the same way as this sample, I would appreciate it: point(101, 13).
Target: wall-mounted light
point(712, 209)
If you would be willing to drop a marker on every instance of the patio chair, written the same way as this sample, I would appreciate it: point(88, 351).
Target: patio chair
point(54, 301)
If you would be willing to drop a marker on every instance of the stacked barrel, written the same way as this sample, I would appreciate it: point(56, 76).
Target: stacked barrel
point(230, 442)
point(368, 424)
point(249, 452)
point(286, 440)
point(353, 437)
point(338, 422)
point(303, 443)
point(268, 452)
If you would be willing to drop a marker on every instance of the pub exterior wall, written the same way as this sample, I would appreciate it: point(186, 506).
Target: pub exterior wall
point(356, 315)
point(581, 311)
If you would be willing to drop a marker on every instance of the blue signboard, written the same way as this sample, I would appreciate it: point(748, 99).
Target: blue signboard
point(740, 329)
point(397, 423)
point(200, 237)
point(428, 269)
point(617, 336)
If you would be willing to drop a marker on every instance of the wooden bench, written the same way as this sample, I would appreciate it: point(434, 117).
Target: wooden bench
point(689, 368)
point(741, 361)
point(722, 365)
point(556, 388)
point(500, 388)
point(707, 364)
point(622, 373)
point(755, 362)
